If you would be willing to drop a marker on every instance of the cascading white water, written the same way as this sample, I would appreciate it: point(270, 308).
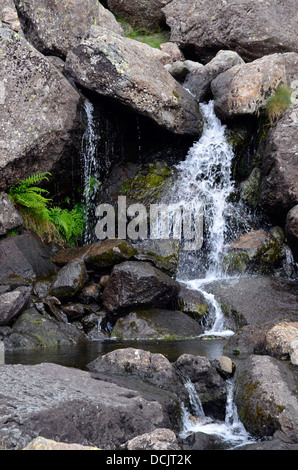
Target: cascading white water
point(91, 166)
point(205, 178)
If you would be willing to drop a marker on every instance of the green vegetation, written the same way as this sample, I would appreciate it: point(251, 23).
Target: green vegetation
point(278, 103)
point(55, 224)
point(153, 39)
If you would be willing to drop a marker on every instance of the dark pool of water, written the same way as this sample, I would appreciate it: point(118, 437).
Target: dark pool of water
point(80, 355)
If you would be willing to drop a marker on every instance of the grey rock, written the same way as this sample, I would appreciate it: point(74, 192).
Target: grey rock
point(70, 279)
point(164, 254)
point(160, 439)
point(25, 257)
point(279, 189)
point(156, 324)
point(69, 405)
point(124, 70)
point(9, 216)
point(266, 397)
point(203, 28)
point(137, 284)
point(12, 303)
point(39, 111)
point(291, 231)
point(54, 27)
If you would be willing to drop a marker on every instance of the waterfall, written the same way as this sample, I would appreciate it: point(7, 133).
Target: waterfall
point(205, 178)
point(91, 169)
point(230, 432)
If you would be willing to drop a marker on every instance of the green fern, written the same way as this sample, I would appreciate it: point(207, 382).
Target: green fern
point(51, 223)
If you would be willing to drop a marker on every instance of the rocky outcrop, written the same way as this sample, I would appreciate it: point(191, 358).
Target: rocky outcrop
point(266, 398)
point(279, 189)
point(38, 111)
point(147, 16)
point(160, 439)
point(291, 231)
point(55, 27)
point(134, 284)
point(122, 69)
point(245, 89)
point(69, 403)
point(203, 28)
point(40, 443)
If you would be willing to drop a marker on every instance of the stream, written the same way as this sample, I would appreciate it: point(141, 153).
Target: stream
point(204, 177)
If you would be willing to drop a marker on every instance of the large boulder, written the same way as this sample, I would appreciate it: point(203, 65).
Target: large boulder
point(55, 27)
point(146, 16)
point(279, 188)
point(291, 231)
point(266, 397)
point(8, 15)
point(69, 280)
point(245, 89)
point(68, 405)
point(123, 69)
point(137, 284)
point(39, 111)
point(156, 324)
point(202, 27)
point(24, 257)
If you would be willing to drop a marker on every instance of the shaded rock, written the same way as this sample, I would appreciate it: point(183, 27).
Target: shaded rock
point(254, 252)
point(73, 311)
point(25, 257)
point(203, 441)
point(245, 89)
point(33, 330)
point(291, 231)
point(90, 293)
point(122, 69)
point(181, 68)
point(279, 189)
point(164, 254)
point(40, 443)
point(294, 351)
point(146, 16)
point(279, 339)
point(137, 284)
point(266, 397)
point(203, 28)
point(102, 254)
point(198, 82)
point(192, 302)
point(9, 216)
point(271, 444)
point(70, 279)
point(156, 324)
point(55, 27)
point(160, 439)
point(68, 405)
point(249, 191)
point(12, 303)
point(209, 385)
point(39, 111)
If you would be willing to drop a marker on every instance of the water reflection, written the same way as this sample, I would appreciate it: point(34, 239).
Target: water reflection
point(79, 356)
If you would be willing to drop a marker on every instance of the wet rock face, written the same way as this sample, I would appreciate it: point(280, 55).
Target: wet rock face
point(38, 111)
point(203, 28)
point(55, 27)
point(137, 284)
point(124, 70)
